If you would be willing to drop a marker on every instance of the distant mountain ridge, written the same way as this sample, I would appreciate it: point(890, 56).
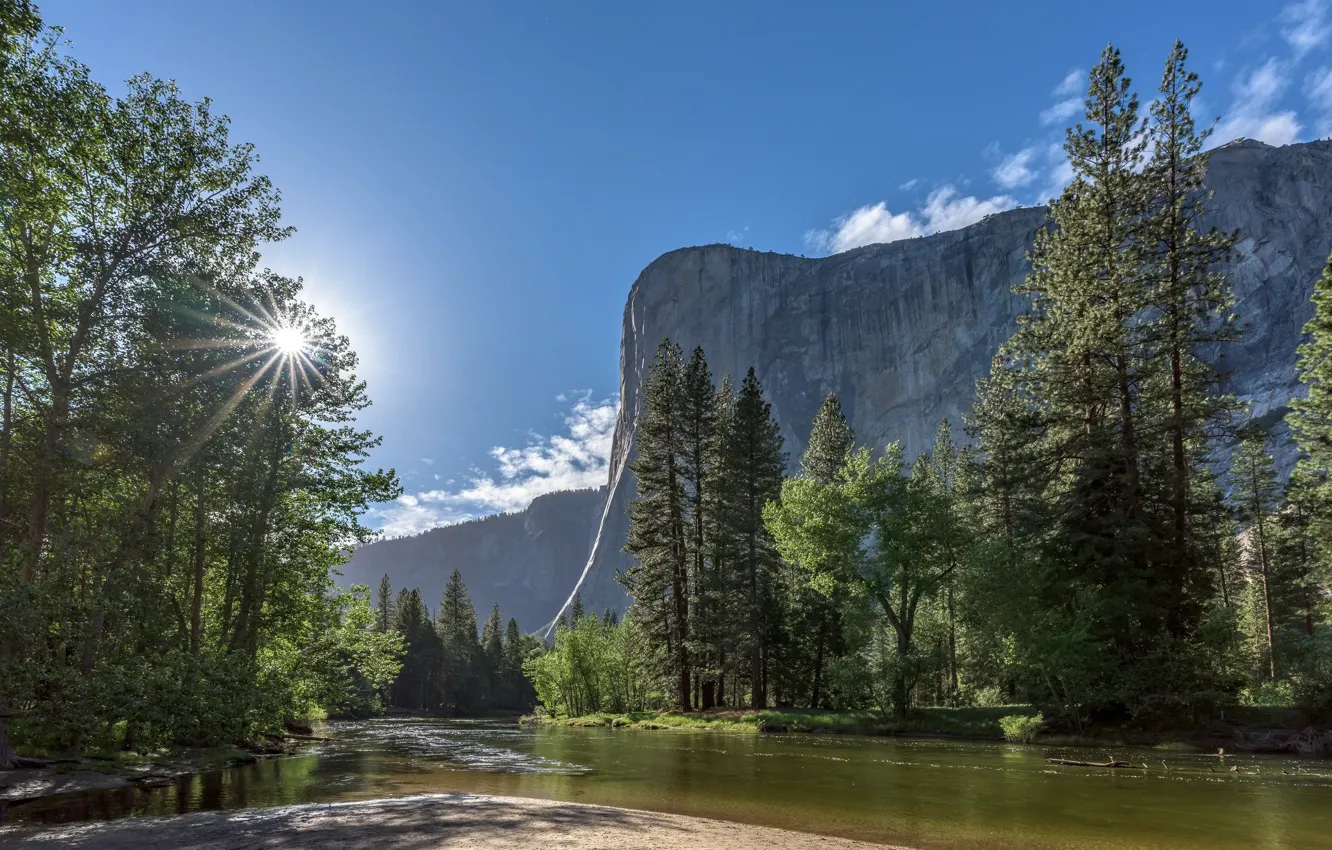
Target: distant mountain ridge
point(525, 561)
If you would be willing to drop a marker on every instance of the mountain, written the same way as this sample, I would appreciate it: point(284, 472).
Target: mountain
point(902, 331)
point(526, 561)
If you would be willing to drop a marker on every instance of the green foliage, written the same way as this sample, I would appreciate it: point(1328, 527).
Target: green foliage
point(174, 491)
point(1021, 728)
point(597, 666)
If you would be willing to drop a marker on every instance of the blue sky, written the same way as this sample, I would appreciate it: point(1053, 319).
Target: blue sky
point(475, 186)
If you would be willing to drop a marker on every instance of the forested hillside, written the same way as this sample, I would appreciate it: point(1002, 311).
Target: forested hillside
point(525, 562)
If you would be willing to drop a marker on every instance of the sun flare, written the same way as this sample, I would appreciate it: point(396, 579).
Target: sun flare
point(288, 339)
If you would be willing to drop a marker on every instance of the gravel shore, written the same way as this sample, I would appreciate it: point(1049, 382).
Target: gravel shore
point(423, 823)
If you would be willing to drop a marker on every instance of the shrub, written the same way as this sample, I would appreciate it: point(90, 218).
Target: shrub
point(1021, 728)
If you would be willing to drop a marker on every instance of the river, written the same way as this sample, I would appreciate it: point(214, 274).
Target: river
point(923, 793)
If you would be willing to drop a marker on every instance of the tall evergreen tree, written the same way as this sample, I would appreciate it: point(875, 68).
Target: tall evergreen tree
point(658, 540)
point(697, 420)
point(1256, 496)
point(755, 463)
point(721, 587)
point(492, 654)
point(384, 612)
point(1192, 300)
point(455, 620)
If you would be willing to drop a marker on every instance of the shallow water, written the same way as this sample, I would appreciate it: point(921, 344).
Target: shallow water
point(924, 793)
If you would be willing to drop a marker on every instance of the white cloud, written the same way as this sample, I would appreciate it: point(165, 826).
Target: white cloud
point(577, 459)
point(875, 223)
point(1059, 173)
point(428, 461)
point(909, 185)
point(1061, 111)
point(1304, 26)
point(735, 237)
point(945, 211)
point(1071, 84)
point(1252, 113)
point(1016, 169)
point(1318, 88)
point(1069, 91)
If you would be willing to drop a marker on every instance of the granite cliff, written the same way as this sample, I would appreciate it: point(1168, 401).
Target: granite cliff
point(902, 331)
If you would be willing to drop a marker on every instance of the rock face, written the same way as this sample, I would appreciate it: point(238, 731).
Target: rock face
point(902, 331)
point(526, 561)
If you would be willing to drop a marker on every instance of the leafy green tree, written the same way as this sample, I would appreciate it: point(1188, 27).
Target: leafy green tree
point(877, 533)
point(817, 633)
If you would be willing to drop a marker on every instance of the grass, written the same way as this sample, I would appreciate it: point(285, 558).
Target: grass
point(950, 722)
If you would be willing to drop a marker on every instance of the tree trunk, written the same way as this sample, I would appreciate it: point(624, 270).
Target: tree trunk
point(1267, 595)
point(196, 601)
point(44, 486)
point(6, 753)
point(817, 693)
point(6, 444)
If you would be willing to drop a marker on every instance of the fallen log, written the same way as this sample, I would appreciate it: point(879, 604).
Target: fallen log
point(1073, 763)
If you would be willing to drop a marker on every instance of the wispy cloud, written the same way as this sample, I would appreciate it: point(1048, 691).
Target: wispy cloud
point(1304, 26)
point(1016, 169)
point(1069, 93)
point(1254, 113)
point(945, 209)
point(1071, 84)
point(1318, 88)
point(910, 184)
point(575, 459)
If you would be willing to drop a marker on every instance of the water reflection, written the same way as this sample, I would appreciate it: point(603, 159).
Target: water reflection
point(930, 794)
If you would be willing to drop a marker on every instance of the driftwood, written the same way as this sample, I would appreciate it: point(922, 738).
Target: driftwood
point(1072, 763)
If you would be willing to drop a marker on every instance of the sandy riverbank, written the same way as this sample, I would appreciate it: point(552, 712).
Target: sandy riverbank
point(469, 821)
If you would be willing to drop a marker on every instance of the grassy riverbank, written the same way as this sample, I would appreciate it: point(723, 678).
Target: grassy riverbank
point(980, 723)
point(1247, 729)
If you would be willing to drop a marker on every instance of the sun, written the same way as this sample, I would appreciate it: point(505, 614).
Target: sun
point(288, 339)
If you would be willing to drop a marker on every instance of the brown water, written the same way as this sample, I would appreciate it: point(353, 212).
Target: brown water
point(924, 793)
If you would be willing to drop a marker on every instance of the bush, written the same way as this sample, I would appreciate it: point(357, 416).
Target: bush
point(1021, 728)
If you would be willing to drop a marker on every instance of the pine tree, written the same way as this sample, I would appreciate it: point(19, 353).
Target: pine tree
point(721, 589)
point(698, 432)
point(1087, 384)
point(384, 609)
point(1256, 497)
point(576, 612)
point(830, 441)
point(1311, 426)
point(659, 580)
point(514, 654)
point(455, 620)
point(492, 651)
point(1193, 301)
point(755, 463)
